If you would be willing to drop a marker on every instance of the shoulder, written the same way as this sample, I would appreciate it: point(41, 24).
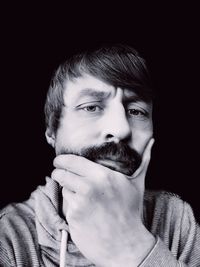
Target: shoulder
point(17, 232)
point(167, 212)
point(17, 219)
point(17, 213)
point(162, 199)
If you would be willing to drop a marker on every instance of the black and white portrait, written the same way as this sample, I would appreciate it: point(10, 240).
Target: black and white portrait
point(99, 162)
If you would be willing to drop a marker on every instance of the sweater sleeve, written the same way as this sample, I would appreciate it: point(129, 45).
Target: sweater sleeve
point(160, 256)
point(187, 251)
point(4, 258)
point(18, 239)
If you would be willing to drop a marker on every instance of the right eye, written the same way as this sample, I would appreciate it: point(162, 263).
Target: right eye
point(92, 108)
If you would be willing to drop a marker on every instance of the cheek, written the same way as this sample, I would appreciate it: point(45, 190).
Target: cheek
point(76, 134)
point(141, 136)
point(83, 134)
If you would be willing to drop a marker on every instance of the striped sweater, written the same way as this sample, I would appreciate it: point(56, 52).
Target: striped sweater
point(30, 232)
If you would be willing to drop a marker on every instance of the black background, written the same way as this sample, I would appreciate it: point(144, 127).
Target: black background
point(34, 39)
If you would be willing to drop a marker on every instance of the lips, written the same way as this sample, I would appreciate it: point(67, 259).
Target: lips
point(119, 157)
point(113, 164)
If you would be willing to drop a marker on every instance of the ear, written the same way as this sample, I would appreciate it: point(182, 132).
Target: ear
point(50, 137)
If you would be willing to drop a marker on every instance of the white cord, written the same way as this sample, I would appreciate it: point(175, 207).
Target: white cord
point(63, 248)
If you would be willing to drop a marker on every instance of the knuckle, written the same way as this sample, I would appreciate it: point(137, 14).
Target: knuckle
point(57, 175)
point(54, 174)
point(75, 208)
point(87, 189)
point(65, 192)
point(90, 192)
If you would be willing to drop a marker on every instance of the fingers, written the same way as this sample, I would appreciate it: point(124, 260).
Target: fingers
point(68, 195)
point(70, 200)
point(77, 165)
point(145, 159)
point(69, 180)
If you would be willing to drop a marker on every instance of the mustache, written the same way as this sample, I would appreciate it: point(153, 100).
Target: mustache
point(119, 152)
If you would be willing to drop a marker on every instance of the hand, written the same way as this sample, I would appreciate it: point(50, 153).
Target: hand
point(104, 210)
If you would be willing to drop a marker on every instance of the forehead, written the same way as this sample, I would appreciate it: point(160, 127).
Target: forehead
point(88, 85)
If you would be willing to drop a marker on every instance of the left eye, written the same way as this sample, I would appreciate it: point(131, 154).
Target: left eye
point(92, 108)
point(135, 112)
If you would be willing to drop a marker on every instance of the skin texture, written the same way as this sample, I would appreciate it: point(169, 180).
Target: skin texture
point(103, 207)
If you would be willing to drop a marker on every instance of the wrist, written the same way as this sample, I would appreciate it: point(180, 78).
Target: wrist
point(136, 252)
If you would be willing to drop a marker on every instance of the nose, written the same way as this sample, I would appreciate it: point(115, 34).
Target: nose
point(116, 126)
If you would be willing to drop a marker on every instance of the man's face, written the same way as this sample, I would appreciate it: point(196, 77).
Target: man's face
point(108, 125)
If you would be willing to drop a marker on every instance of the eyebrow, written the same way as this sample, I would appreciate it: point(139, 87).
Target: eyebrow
point(94, 93)
point(133, 98)
point(102, 95)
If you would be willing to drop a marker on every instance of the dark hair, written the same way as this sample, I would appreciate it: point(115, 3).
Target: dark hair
point(118, 65)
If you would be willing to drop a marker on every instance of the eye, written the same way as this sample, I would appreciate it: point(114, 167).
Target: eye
point(135, 112)
point(92, 108)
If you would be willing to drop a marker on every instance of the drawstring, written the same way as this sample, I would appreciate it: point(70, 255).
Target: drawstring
point(63, 248)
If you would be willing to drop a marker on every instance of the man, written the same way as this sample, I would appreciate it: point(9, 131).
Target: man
point(94, 210)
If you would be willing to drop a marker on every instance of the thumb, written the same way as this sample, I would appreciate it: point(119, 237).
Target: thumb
point(145, 160)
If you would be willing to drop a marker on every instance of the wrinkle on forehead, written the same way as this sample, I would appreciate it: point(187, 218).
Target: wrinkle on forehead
point(92, 86)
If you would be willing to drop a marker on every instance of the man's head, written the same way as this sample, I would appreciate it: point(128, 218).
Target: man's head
point(99, 105)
